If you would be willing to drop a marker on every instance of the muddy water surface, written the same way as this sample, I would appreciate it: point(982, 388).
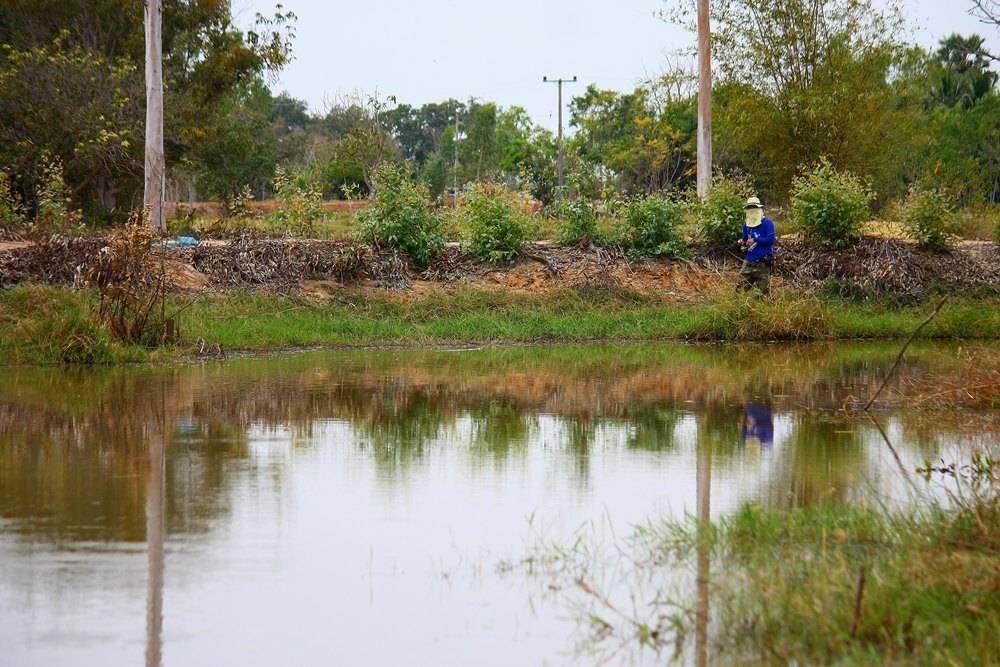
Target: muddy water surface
point(352, 507)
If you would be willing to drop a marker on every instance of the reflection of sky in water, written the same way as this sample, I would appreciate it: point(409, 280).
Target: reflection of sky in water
point(318, 512)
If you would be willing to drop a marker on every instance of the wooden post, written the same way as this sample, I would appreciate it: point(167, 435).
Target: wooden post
point(704, 99)
point(155, 170)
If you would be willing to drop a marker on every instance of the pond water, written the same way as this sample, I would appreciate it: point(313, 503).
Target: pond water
point(352, 507)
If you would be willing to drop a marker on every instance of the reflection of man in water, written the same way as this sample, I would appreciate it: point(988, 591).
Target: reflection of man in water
point(758, 427)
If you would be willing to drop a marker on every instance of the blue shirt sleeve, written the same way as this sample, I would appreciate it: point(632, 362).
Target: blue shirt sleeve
point(766, 234)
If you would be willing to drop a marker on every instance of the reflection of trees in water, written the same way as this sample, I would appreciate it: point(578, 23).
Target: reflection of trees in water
point(402, 436)
point(652, 428)
point(826, 460)
point(500, 429)
point(719, 429)
point(78, 469)
point(72, 441)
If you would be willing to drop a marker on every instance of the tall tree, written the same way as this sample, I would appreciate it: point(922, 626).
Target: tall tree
point(804, 79)
point(204, 58)
point(960, 73)
point(645, 140)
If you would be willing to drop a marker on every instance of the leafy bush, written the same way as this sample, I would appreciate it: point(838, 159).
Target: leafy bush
point(11, 206)
point(54, 212)
point(577, 210)
point(829, 206)
point(650, 227)
point(929, 217)
point(298, 199)
point(399, 217)
point(577, 219)
point(497, 226)
point(996, 233)
point(721, 214)
point(240, 208)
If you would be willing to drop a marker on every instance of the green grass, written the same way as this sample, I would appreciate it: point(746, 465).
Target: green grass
point(45, 325)
point(52, 325)
point(788, 583)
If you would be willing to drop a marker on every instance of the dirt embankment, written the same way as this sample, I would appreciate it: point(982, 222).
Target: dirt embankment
point(875, 264)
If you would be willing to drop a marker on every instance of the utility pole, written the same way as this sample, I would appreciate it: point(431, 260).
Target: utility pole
point(704, 100)
point(560, 83)
point(457, 124)
point(155, 170)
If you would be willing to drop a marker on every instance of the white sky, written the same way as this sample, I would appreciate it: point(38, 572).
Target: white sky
point(429, 50)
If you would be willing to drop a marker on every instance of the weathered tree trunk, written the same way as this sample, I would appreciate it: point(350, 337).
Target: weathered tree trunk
point(704, 99)
point(155, 162)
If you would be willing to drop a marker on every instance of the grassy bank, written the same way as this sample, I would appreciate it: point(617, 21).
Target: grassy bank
point(52, 325)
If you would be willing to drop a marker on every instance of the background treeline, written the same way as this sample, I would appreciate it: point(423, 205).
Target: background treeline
point(797, 81)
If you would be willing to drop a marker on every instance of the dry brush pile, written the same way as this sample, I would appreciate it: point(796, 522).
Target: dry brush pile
point(874, 265)
point(887, 266)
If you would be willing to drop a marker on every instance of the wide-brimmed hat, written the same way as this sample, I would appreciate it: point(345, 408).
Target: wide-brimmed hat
point(753, 202)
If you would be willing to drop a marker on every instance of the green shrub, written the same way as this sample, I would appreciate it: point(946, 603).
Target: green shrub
point(577, 220)
point(720, 215)
point(829, 206)
point(577, 211)
point(649, 227)
point(929, 218)
point(399, 217)
point(240, 209)
point(298, 201)
point(495, 220)
point(11, 206)
point(996, 232)
point(54, 196)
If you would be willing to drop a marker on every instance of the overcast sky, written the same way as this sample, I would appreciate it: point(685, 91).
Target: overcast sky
point(429, 50)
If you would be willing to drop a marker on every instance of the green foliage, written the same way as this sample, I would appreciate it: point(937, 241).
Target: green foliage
point(720, 215)
point(577, 217)
point(64, 103)
point(829, 206)
point(579, 208)
point(645, 138)
point(496, 221)
point(239, 209)
point(11, 207)
point(964, 150)
point(299, 201)
point(649, 226)
point(71, 85)
point(53, 200)
point(996, 232)
point(234, 148)
point(929, 217)
point(807, 78)
point(399, 217)
point(960, 72)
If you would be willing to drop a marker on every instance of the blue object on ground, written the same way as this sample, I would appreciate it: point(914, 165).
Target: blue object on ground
point(187, 241)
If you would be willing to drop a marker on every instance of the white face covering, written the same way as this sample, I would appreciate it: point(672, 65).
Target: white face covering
point(754, 216)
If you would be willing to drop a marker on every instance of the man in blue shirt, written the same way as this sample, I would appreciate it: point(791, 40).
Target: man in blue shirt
point(758, 240)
